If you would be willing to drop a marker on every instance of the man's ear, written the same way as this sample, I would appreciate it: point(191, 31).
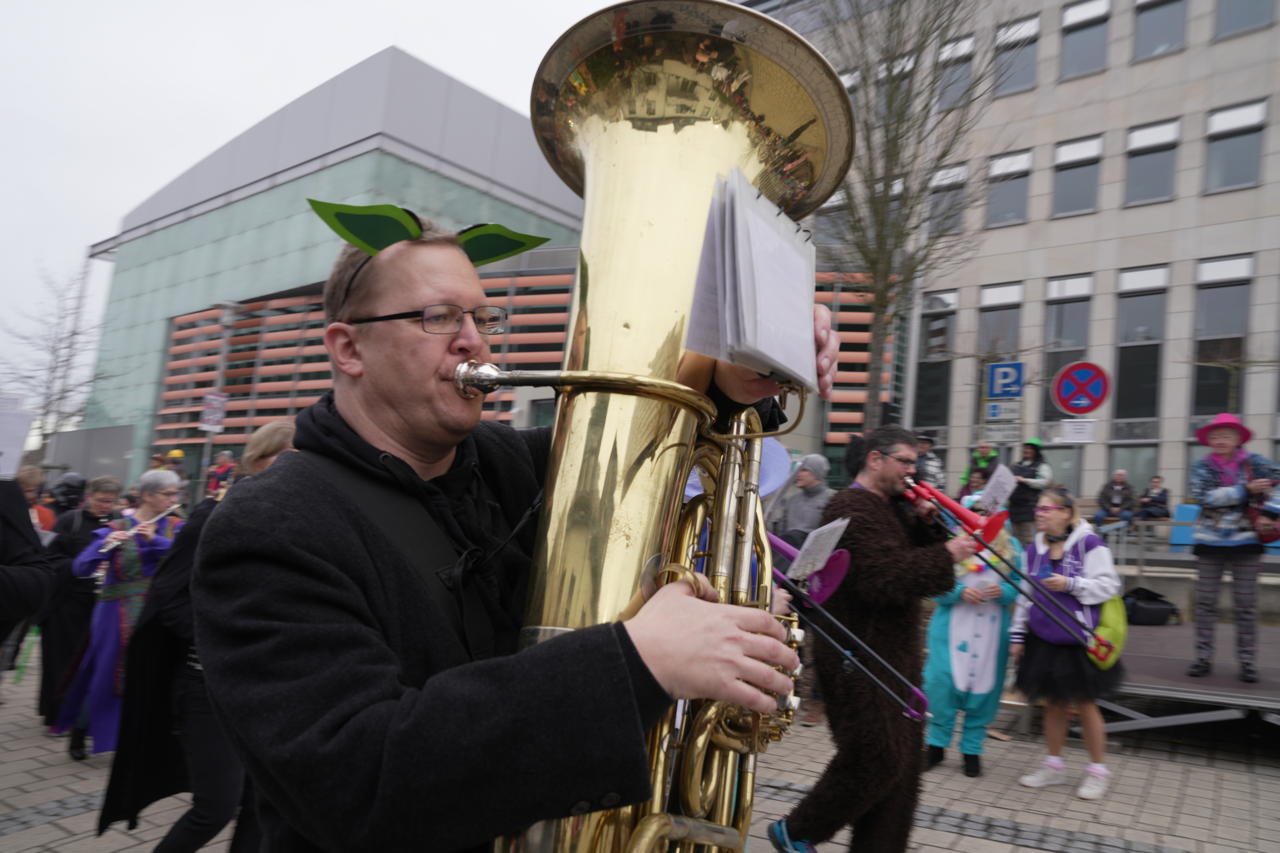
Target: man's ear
point(344, 349)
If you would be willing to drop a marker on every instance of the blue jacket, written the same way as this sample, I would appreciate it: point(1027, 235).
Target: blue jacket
point(1222, 522)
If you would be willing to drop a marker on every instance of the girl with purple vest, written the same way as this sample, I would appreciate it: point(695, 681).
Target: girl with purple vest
point(1070, 563)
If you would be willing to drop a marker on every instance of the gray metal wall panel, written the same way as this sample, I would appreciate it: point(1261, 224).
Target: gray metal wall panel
point(414, 93)
point(390, 92)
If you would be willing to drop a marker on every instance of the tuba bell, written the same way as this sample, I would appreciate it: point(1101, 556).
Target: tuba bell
point(638, 108)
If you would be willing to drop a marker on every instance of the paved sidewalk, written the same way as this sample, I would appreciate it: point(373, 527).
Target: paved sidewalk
point(1165, 796)
point(48, 801)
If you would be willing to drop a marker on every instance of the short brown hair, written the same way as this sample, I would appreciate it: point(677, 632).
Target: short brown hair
point(30, 477)
point(883, 439)
point(267, 441)
point(105, 484)
point(341, 293)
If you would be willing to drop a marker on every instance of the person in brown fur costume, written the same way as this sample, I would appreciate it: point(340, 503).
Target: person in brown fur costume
point(899, 557)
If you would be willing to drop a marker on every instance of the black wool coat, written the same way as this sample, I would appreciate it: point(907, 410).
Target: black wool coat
point(26, 576)
point(149, 764)
point(340, 676)
point(64, 624)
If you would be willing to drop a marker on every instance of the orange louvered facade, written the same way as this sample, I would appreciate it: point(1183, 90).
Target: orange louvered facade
point(276, 363)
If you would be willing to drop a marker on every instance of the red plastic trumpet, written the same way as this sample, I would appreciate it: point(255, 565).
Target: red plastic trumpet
point(983, 529)
point(984, 532)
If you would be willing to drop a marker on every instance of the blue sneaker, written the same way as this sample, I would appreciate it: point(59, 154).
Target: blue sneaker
point(784, 843)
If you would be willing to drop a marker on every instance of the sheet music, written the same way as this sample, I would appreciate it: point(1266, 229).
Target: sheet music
point(998, 490)
point(760, 270)
point(817, 548)
point(706, 320)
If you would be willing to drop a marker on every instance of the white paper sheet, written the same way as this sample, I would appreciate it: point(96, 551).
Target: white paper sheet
point(817, 548)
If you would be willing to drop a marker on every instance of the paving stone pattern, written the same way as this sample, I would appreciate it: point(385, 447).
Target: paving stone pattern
point(1168, 795)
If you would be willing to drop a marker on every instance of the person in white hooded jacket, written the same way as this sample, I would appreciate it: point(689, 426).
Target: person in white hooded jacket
point(1070, 563)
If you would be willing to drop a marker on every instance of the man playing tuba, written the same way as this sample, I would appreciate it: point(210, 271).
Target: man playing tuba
point(357, 603)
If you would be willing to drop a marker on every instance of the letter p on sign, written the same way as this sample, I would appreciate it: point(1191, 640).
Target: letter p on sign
point(1004, 380)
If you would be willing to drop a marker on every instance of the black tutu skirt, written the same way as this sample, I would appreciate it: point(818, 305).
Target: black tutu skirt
point(1064, 673)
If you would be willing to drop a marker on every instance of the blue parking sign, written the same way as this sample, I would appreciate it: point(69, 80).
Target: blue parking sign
point(1004, 380)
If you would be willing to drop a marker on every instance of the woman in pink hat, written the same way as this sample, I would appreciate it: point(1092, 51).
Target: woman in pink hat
point(1224, 483)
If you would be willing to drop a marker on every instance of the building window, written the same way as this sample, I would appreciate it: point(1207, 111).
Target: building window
point(1140, 329)
point(1152, 160)
point(946, 200)
point(1234, 155)
point(1065, 463)
point(1221, 324)
point(1008, 177)
point(1068, 325)
point(1159, 27)
point(1138, 461)
point(1066, 333)
point(893, 89)
point(955, 73)
point(998, 322)
point(1075, 176)
point(933, 367)
point(831, 222)
point(1232, 17)
point(994, 295)
point(1084, 38)
point(1015, 66)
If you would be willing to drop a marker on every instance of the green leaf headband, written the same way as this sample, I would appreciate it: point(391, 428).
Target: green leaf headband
point(373, 227)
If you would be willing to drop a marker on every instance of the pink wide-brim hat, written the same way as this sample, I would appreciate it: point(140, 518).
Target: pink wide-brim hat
point(1223, 420)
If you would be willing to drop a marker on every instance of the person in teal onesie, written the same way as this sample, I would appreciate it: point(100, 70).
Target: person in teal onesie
point(968, 651)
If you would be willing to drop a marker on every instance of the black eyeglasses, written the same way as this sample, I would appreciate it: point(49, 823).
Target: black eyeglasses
point(910, 463)
point(447, 319)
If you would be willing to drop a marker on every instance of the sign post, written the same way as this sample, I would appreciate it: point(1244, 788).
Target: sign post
point(1002, 409)
point(1078, 389)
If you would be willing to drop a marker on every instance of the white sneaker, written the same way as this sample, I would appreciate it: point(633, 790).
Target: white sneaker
point(1093, 786)
point(1043, 776)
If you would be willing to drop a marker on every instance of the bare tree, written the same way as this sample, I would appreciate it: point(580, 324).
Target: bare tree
point(55, 371)
point(919, 83)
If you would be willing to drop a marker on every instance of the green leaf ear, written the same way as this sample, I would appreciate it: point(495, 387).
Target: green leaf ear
point(370, 228)
point(485, 244)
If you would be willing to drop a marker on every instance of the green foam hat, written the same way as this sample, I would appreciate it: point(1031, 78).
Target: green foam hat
point(373, 227)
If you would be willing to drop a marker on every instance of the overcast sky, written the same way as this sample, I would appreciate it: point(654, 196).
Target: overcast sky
point(103, 102)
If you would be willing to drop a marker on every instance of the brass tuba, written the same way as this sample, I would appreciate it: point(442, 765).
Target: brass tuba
point(639, 107)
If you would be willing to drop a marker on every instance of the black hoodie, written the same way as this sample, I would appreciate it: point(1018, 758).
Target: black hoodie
point(348, 690)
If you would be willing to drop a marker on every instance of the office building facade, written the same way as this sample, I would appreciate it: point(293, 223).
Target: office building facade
point(1129, 216)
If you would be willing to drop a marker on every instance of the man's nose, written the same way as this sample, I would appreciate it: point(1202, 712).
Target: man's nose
point(468, 338)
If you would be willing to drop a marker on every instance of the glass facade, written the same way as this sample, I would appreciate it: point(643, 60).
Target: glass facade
point(267, 243)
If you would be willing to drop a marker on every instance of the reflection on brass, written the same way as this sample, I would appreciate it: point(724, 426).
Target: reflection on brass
point(639, 107)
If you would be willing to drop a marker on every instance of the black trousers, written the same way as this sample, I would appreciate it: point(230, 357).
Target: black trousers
point(219, 786)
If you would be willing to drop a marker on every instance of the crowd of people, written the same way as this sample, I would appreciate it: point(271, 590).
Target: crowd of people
point(327, 643)
point(1032, 601)
point(118, 669)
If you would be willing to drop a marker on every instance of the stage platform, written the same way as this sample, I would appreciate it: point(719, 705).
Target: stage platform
point(1156, 658)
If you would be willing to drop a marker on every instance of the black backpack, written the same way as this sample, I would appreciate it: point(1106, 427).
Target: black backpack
point(1147, 607)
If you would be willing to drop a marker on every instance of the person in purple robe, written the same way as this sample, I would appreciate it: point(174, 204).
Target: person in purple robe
point(127, 556)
